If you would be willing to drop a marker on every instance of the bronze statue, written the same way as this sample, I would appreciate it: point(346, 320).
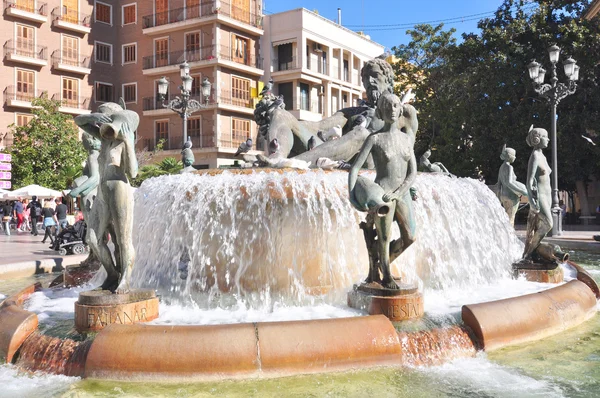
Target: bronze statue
point(115, 128)
point(356, 122)
point(388, 198)
point(86, 186)
point(539, 192)
point(508, 189)
point(435, 167)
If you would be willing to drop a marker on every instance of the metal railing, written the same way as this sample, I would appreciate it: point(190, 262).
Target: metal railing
point(286, 64)
point(80, 61)
point(77, 102)
point(71, 16)
point(204, 9)
point(40, 9)
point(153, 103)
point(205, 53)
point(177, 57)
point(27, 94)
point(306, 104)
point(25, 48)
point(227, 97)
point(247, 58)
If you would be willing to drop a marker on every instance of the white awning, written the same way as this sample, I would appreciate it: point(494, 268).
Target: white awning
point(282, 42)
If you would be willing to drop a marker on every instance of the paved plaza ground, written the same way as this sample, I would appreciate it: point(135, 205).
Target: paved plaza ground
point(22, 253)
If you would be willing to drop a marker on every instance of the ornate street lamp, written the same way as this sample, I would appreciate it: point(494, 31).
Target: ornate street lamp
point(554, 92)
point(184, 106)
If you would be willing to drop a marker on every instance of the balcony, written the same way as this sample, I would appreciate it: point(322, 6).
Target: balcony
point(291, 63)
point(73, 106)
point(204, 12)
point(21, 98)
point(37, 13)
point(75, 64)
point(153, 107)
point(26, 52)
point(175, 142)
point(225, 100)
point(70, 20)
point(169, 62)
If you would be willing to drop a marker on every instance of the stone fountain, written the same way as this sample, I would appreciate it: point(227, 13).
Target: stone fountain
point(263, 238)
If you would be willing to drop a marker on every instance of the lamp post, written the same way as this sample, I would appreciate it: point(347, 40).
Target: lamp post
point(184, 106)
point(554, 92)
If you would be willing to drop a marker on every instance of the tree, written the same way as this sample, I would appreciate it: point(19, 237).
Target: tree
point(47, 150)
point(167, 166)
point(477, 95)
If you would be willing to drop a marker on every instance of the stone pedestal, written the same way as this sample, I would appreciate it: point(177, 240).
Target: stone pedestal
point(398, 305)
point(538, 272)
point(98, 308)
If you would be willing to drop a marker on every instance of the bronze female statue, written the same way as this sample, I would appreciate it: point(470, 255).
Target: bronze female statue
point(509, 190)
point(388, 198)
point(538, 191)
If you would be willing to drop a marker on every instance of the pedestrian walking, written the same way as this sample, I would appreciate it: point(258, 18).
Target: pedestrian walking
point(18, 213)
point(49, 221)
point(6, 216)
point(35, 211)
point(26, 217)
point(61, 214)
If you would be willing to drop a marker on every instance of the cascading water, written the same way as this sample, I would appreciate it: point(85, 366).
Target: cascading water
point(288, 234)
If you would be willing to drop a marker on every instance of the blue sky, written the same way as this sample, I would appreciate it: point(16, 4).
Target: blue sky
point(359, 13)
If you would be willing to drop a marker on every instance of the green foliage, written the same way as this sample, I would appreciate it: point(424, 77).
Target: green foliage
point(475, 96)
point(167, 166)
point(46, 151)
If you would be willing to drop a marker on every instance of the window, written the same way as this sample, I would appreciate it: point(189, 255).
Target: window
point(130, 92)
point(103, 13)
point(26, 5)
point(196, 86)
point(129, 53)
point(70, 11)
point(104, 92)
point(129, 12)
point(69, 92)
point(25, 85)
point(161, 130)
point(240, 91)
point(239, 49)
point(240, 131)
point(240, 10)
point(194, 130)
point(161, 9)
point(161, 52)
point(70, 53)
point(103, 52)
point(192, 46)
point(304, 97)
point(25, 41)
point(23, 119)
point(192, 9)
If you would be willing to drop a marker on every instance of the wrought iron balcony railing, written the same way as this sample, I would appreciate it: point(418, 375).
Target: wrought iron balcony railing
point(39, 8)
point(74, 102)
point(79, 61)
point(204, 9)
point(71, 16)
point(200, 54)
point(25, 48)
point(22, 92)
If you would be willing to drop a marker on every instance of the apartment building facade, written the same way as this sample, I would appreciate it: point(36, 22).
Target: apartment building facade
point(314, 62)
point(84, 53)
point(219, 40)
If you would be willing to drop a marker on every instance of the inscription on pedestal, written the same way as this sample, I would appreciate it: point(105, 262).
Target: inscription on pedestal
point(102, 318)
point(95, 310)
point(401, 307)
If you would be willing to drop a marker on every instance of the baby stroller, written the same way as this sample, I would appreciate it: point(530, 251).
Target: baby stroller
point(71, 239)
